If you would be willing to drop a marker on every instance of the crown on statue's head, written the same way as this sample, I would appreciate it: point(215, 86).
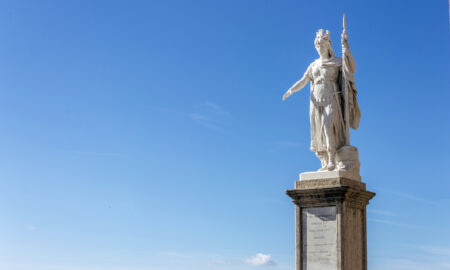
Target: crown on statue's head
point(322, 37)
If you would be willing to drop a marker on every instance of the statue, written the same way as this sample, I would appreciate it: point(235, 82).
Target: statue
point(333, 105)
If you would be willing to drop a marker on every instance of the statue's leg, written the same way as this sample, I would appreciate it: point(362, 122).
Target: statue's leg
point(330, 136)
point(331, 159)
point(323, 156)
point(316, 118)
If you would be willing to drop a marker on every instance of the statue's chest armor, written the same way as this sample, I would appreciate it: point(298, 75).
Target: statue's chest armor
point(325, 82)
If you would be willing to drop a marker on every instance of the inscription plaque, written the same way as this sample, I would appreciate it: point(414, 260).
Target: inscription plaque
point(319, 238)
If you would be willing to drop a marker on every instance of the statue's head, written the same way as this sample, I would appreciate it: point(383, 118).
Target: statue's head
point(323, 44)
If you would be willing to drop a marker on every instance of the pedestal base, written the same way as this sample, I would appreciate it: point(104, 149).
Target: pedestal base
point(330, 223)
point(330, 175)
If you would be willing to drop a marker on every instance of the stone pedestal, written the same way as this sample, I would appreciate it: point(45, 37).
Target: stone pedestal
point(330, 222)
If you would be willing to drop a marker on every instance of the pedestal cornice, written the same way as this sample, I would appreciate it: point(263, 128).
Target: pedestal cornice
point(311, 193)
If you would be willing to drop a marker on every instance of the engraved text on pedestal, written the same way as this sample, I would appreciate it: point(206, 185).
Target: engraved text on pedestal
point(319, 238)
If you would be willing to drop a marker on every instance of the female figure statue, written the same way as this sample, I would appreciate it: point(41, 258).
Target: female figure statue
point(328, 127)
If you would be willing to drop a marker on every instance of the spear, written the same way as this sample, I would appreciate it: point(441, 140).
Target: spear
point(344, 85)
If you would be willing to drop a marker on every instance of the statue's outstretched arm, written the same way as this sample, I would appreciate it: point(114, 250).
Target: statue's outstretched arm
point(298, 85)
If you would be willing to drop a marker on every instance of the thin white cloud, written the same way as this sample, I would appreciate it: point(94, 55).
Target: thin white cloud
point(390, 222)
point(203, 120)
point(284, 145)
point(216, 108)
point(412, 197)
point(51, 266)
point(31, 227)
point(260, 260)
point(175, 254)
point(409, 264)
point(428, 257)
point(199, 117)
point(287, 144)
point(222, 262)
point(94, 153)
point(445, 251)
point(209, 259)
point(210, 115)
point(381, 212)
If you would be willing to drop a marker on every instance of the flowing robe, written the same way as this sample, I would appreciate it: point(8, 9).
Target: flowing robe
point(326, 100)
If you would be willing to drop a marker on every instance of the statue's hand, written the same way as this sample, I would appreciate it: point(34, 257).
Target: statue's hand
point(344, 35)
point(286, 95)
point(344, 38)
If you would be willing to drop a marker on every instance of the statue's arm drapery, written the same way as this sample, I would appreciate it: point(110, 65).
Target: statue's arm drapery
point(349, 61)
point(350, 69)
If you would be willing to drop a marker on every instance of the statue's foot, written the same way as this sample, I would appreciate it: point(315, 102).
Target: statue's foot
point(331, 166)
point(323, 169)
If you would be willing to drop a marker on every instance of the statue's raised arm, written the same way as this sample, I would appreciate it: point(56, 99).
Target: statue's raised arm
point(346, 53)
point(352, 113)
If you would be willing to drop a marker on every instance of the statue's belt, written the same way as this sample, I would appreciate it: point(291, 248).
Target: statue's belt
point(323, 101)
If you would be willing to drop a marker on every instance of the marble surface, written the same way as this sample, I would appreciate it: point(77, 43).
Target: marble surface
point(330, 175)
point(319, 234)
point(328, 183)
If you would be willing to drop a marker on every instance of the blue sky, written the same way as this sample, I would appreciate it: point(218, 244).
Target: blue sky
point(151, 135)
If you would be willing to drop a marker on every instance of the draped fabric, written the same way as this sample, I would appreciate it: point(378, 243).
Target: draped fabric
point(327, 116)
point(353, 106)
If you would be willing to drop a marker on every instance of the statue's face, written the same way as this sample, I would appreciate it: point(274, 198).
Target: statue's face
point(322, 49)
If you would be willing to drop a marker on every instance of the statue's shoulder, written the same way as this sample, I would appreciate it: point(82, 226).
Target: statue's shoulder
point(315, 63)
point(336, 61)
point(333, 61)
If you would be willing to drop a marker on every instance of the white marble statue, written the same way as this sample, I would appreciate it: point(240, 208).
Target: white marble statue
point(333, 104)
